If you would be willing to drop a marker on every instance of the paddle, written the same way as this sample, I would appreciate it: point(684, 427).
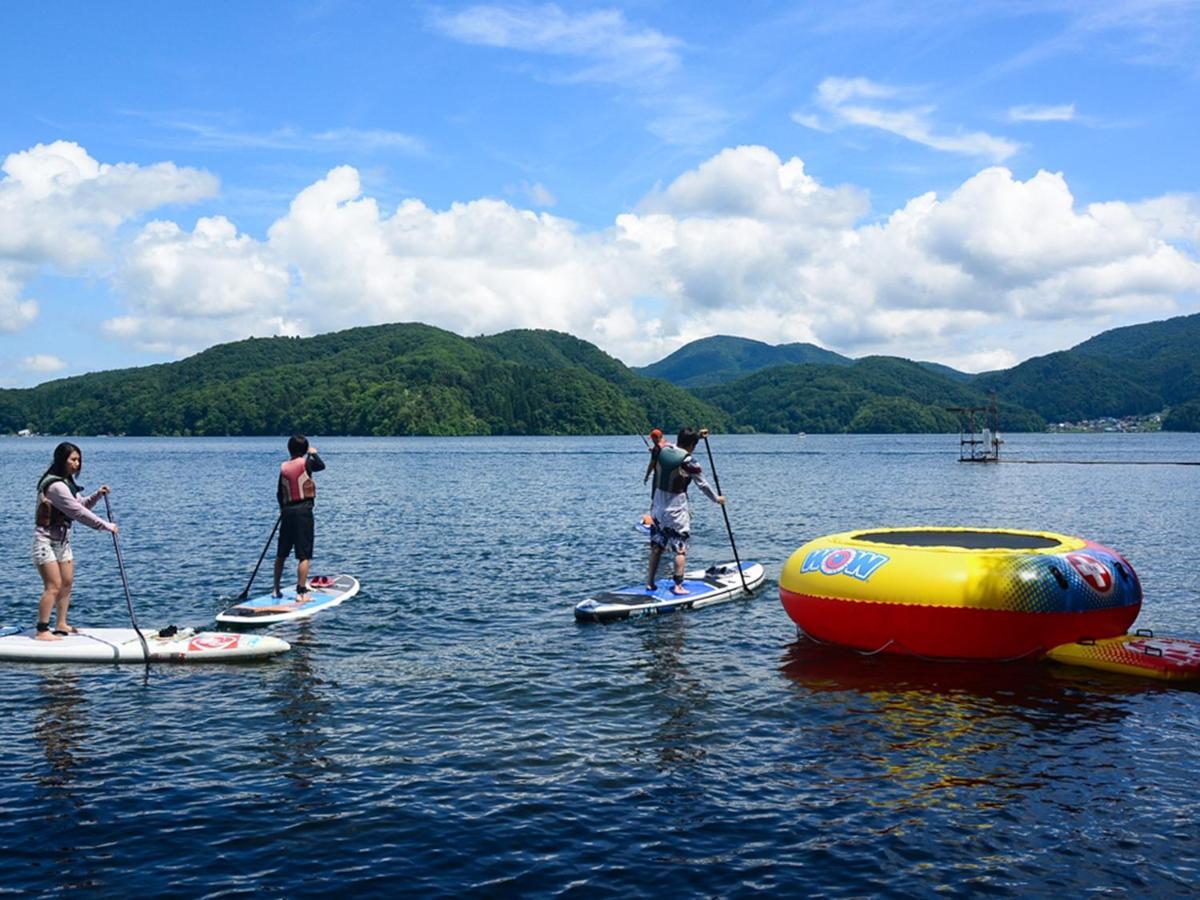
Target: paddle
point(246, 591)
point(125, 582)
point(728, 528)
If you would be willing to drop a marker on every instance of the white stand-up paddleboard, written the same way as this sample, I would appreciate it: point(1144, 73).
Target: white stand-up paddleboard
point(122, 645)
point(706, 587)
point(265, 609)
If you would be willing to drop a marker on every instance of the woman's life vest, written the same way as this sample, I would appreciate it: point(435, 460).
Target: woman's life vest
point(295, 484)
point(668, 476)
point(48, 515)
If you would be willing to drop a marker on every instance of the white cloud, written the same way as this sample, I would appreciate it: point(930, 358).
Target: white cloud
point(613, 50)
point(60, 208)
point(1064, 112)
point(15, 313)
point(224, 131)
point(187, 290)
point(599, 47)
point(42, 363)
point(1175, 216)
point(846, 102)
point(745, 243)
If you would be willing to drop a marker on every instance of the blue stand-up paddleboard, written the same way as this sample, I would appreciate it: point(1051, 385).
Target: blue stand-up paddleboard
point(117, 645)
point(266, 609)
point(706, 587)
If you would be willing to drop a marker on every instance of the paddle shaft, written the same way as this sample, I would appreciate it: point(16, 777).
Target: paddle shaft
point(724, 512)
point(125, 583)
point(246, 593)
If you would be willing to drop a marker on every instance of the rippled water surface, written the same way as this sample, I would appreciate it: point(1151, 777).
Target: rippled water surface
point(453, 730)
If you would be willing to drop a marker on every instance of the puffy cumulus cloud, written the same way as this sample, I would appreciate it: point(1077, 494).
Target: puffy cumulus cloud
point(61, 208)
point(754, 183)
point(1176, 216)
point(746, 243)
point(58, 205)
point(190, 289)
point(477, 266)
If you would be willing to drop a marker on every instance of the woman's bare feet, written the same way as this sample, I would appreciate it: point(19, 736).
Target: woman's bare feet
point(46, 636)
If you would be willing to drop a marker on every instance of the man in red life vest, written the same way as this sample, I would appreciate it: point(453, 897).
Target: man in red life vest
point(296, 493)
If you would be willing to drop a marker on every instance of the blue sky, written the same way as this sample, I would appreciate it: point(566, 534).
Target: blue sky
point(973, 184)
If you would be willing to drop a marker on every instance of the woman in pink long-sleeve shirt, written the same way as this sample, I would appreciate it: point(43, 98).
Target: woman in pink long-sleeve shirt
point(58, 506)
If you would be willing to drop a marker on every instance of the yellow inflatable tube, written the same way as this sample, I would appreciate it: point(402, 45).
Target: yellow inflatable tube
point(958, 592)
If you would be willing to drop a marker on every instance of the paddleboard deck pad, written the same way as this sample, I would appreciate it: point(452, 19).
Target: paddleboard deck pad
point(1165, 658)
point(325, 593)
point(706, 587)
point(121, 645)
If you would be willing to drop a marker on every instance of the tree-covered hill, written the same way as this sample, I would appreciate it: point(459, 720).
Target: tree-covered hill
point(1184, 417)
point(1163, 357)
point(721, 358)
point(389, 379)
point(1136, 370)
point(1066, 387)
point(417, 379)
point(880, 395)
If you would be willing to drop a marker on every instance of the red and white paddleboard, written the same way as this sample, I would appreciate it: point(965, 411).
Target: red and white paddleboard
point(1165, 658)
point(122, 645)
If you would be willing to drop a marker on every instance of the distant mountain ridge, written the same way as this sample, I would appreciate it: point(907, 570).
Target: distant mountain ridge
point(721, 358)
point(873, 395)
point(417, 379)
point(387, 379)
point(1134, 370)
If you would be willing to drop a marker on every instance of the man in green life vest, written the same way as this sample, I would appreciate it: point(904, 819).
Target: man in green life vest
point(671, 521)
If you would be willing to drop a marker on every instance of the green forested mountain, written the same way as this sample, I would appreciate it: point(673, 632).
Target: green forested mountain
point(417, 379)
point(1162, 356)
point(1065, 387)
point(880, 395)
point(1184, 417)
point(389, 379)
point(1127, 371)
point(721, 358)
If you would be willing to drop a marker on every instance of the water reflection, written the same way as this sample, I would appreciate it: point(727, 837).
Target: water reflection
point(61, 727)
point(298, 749)
point(982, 735)
point(676, 696)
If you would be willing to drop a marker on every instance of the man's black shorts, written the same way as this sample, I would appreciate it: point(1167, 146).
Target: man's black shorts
point(296, 531)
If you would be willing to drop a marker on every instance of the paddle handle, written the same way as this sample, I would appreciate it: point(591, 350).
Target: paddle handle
point(724, 512)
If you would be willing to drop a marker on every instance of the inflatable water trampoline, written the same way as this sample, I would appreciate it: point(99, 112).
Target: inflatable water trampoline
point(958, 593)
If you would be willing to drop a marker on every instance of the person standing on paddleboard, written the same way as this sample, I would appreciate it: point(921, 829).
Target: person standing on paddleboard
point(655, 445)
point(671, 521)
point(296, 492)
point(58, 505)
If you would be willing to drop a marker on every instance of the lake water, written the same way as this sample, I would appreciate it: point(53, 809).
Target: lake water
point(452, 730)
